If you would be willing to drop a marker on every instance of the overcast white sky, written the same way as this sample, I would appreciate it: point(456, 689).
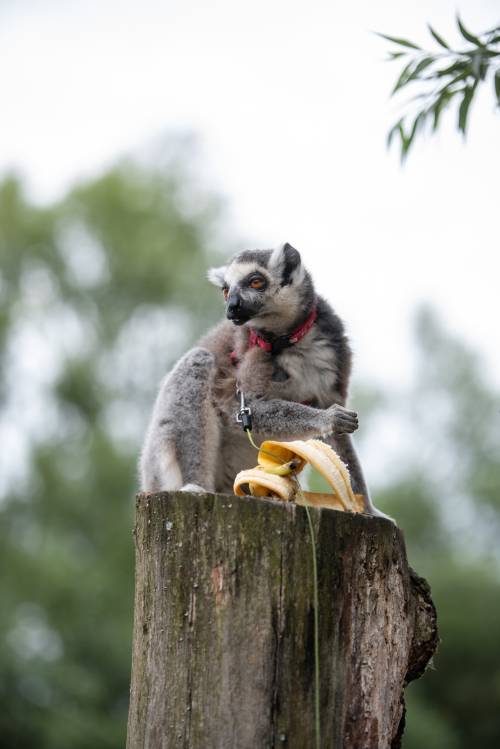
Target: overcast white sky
point(290, 100)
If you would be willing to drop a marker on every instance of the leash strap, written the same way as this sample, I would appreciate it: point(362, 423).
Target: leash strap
point(244, 415)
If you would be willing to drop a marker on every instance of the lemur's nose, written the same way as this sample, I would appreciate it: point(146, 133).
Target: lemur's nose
point(233, 305)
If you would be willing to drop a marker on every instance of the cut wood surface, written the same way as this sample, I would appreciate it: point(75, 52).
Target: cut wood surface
point(223, 632)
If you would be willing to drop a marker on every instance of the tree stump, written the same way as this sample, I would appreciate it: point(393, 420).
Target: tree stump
point(223, 653)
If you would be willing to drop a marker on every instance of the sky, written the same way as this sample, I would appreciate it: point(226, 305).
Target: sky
point(290, 104)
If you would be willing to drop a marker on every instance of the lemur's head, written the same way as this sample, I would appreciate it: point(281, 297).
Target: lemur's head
point(269, 287)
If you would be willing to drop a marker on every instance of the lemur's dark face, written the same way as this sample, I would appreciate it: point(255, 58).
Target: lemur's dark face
point(245, 292)
point(262, 286)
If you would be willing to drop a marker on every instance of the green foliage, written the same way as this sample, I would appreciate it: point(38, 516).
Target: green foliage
point(447, 501)
point(99, 294)
point(443, 489)
point(441, 79)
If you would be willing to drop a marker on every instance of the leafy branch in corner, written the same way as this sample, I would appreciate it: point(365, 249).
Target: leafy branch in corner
point(443, 77)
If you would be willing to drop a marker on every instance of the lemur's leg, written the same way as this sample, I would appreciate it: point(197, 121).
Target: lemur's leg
point(286, 420)
point(183, 438)
point(342, 444)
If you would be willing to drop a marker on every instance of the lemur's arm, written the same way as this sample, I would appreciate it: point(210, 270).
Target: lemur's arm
point(286, 420)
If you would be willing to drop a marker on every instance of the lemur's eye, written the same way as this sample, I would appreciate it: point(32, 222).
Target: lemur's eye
point(257, 283)
point(225, 291)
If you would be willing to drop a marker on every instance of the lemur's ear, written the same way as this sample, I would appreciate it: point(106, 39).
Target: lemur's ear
point(216, 276)
point(286, 260)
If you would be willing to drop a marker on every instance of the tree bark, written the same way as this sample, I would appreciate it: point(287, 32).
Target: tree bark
point(223, 653)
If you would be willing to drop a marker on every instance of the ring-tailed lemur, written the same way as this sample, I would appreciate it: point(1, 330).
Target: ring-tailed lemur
point(285, 349)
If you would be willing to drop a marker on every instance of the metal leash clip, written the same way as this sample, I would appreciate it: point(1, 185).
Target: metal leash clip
point(244, 415)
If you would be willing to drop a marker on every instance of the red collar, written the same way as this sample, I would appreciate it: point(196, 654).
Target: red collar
point(278, 344)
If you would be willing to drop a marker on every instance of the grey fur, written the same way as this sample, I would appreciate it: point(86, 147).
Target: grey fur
point(254, 256)
point(193, 437)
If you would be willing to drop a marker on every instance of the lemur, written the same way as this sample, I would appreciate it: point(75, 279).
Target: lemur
point(284, 347)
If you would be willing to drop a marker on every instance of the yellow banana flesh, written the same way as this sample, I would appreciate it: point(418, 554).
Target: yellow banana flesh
point(285, 469)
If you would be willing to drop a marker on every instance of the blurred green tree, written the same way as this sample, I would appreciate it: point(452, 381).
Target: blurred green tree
point(99, 294)
point(447, 496)
point(443, 488)
point(447, 500)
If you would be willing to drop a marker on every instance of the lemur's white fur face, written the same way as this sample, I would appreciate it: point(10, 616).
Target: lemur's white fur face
point(236, 272)
point(267, 292)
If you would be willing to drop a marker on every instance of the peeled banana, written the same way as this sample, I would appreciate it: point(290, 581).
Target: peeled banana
point(279, 462)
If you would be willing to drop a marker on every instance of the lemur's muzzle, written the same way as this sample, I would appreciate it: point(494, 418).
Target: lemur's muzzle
point(235, 310)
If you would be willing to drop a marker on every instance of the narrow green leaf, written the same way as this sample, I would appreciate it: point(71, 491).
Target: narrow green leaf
point(403, 77)
point(394, 129)
point(497, 85)
point(460, 53)
point(491, 52)
point(483, 69)
point(424, 63)
point(401, 42)
point(457, 66)
point(404, 143)
point(439, 105)
point(395, 55)
point(467, 35)
point(411, 72)
point(419, 119)
point(439, 39)
point(464, 108)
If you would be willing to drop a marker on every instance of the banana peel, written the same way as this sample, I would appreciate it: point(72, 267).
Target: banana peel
point(280, 462)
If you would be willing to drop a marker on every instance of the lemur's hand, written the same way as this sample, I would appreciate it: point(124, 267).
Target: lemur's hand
point(341, 420)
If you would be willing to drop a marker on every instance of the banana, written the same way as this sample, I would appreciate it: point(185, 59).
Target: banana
point(279, 460)
point(285, 469)
point(263, 484)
